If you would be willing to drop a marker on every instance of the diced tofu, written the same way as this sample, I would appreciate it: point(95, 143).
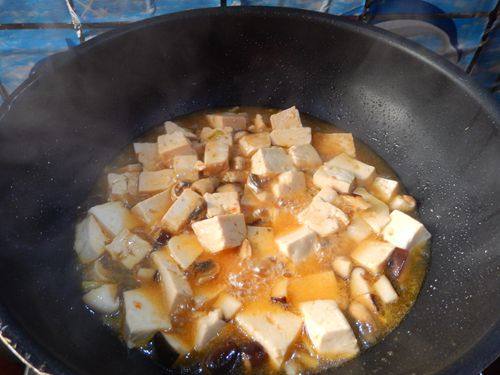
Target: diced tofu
point(99, 272)
point(181, 210)
point(184, 249)
point(174, 144)
point(147, 154)
point(185, 168)
point(249, 144)
point(271, 161)
point(236, 121)
point(221, 232)
point(143, 316)
point(377, 216)
point(404, 203)
point(384, 289)
point(228, 304)
point(405, 232)
point(326, 194)
point(274, 330)
point(286, 119)
point(323, 218)
point(206, 294)
point(152, 209)
point(358, 230)
point(175, 287)
point(342, 266)
point(123, 185)
point(305, 157)
point(128, 248)
point(235, 176)
point(259, 123)
point(207, 327)
point(153, 182)
point(103, 299)
point(330, 145)
point(219, 135)
point(321, 285)
point(262, 241)
point(239, 163)
point(289, 183)
point(372, 255)
point(222, 203)
point(291, 137)
point(113, 217)
point(89, 240)
point(358, 285)
point(279, 290)
point(227, 188)
point(177, 343)
point(328, 328)
point(205, 185)
point(353, 202)
point(298, 244)
point(146, 274)
point(216, 157)
point(364, 173)
point(172, 127)
point(335, 178)
point(384, 188)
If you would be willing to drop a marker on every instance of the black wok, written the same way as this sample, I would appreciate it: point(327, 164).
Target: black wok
point(430, 122)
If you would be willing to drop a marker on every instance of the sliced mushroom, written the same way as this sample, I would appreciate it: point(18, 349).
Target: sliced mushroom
point(205, 271)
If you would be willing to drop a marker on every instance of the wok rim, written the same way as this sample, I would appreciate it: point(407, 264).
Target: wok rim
point(479, 355)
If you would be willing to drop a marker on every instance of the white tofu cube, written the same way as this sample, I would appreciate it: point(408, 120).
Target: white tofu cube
point(153, 182)
point(288, 184)
point(103, 299)
point(291, 137)
point(184, 249)
point(342, 266)
point(384, 188)
point(179, 213)
point(177, 343)
point(305, 157)
point(405, 232)
point(172, 127)
point(143, 316)
point(123, 184)
point(336, 178)
point(228, 305)
point(206, 328)
point(205, 185)
point(174, 144)
point(220, 135)
point(333, 144)
point(152, 209)
point(404, 203)
point(358, 230)
point(279, 290)
point(297, 244)
point(271, 161)
point(358, 285)
point(236, 121)
point(286, 119)
point(221, 232)
point(249, 144)
point(384, 289)
point(377, 216)
point(216, 157)
point(113, 217)
point(364, 173)
point(222, 203)
point(128, 248)
point(228, 188)
point(89, 240)
point(274, 330)
point(323, 218)
point(145, 274)
point(259, 123)
point(185, 168)
point(148, 156)
point(328, 329)
point(175, 287)
point(372, 255)
point(262, 241)
point(326, 194)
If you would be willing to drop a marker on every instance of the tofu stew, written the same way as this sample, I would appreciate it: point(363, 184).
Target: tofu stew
point(250, 240)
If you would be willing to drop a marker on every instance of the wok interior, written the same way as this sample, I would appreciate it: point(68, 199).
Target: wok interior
point(80, 112)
